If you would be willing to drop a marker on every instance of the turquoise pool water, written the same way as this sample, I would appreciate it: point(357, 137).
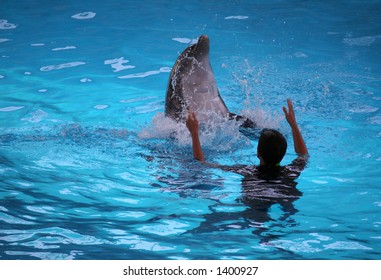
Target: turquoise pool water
point(89, 167)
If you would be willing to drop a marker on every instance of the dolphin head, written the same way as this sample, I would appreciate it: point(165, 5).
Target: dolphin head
point(200, 50)
point(192, 85)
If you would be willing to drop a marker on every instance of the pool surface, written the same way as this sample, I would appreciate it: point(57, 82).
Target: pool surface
point(91, 169)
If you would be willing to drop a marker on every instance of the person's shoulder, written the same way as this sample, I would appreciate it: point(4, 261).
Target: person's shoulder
point(299, 163)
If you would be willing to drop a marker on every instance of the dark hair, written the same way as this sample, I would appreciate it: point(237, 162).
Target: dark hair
point(272, 146)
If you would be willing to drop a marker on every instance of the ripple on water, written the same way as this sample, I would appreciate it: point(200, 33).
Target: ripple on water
point(9, 219)
point(374, 120)
point(4, 24)
point(118, 64)
point(165, 228)
point(364, 109)
point(346, 245)
point(84, 15)
point(237, 17)
point(61, 66)
point(11, 108)
point(146, 74)
point(64, 48)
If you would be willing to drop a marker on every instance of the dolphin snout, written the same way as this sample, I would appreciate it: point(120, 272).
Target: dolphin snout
point(203, 38)
point(202, 46)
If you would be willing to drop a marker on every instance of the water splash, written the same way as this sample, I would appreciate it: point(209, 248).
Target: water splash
point(248, 80)
point(218, 134)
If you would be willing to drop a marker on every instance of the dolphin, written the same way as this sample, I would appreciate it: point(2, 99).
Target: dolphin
point(192, 87)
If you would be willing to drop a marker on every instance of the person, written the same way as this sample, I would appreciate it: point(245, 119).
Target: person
point(269, 183)
point(272, 145)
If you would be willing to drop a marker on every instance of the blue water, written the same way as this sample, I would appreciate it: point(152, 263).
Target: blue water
point(91, 169)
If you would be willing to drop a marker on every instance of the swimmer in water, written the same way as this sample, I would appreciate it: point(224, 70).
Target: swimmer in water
point(269, 183)
point(272, 145)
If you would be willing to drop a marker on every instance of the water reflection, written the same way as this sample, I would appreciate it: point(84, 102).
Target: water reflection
point(268, 201)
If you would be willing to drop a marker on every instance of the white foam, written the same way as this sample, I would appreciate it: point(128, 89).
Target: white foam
point(218, 133)
point(84, 15)
point(161, 127)
point(2, 40)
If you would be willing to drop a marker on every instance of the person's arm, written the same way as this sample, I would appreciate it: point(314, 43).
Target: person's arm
point(192, 125)
point(299, 144)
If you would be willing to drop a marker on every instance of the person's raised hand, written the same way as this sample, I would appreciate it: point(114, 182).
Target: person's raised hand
point(290, 114)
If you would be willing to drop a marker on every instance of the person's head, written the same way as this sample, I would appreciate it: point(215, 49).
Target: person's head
point(272, 147)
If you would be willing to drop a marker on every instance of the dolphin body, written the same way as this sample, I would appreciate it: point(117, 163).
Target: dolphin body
point(192, 87)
